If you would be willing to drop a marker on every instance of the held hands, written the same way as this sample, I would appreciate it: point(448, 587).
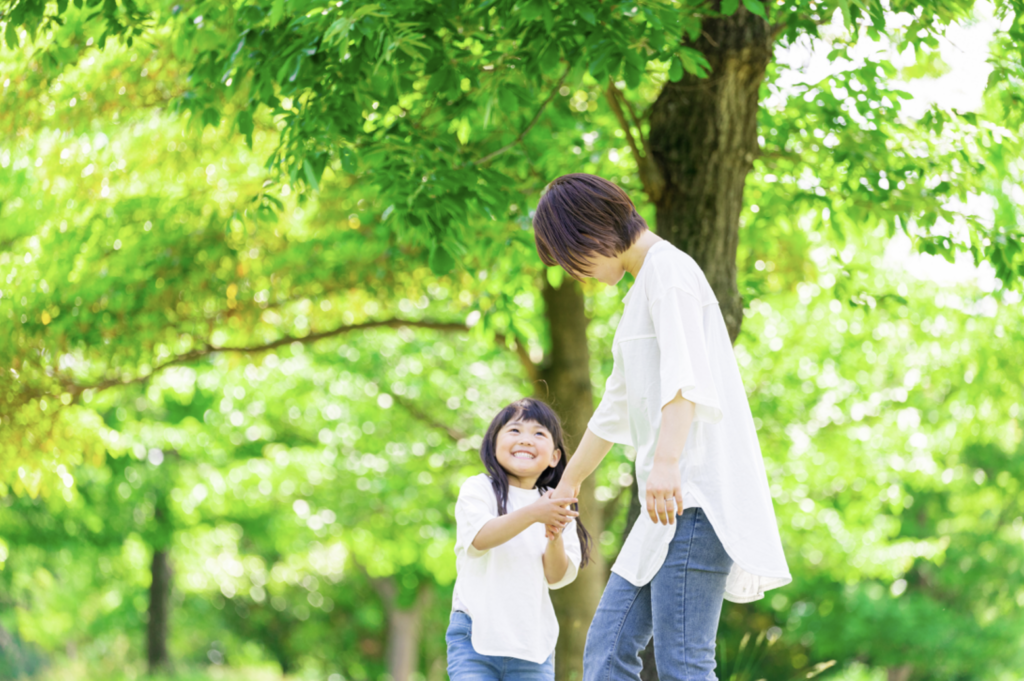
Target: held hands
point(553, 512)
point(566, 495)
point(664, 492)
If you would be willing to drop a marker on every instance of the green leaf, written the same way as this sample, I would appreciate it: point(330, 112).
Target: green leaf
point(211, 117)
point(11, 35)
point(310, 174)
point(755, 7)
point(548, 59)
point(530, 11)
point(348, 160)
point(245, 125)
point(675, 71)
point(844, 5)
point(507, 100)
point(599, 64)
point(694, 62)
point(548, 15)
point(283, 70)
point(439, 82)
point(441, 261)
point(276, 11)
point(632, 75)
point(729, 7)
point(587, 15)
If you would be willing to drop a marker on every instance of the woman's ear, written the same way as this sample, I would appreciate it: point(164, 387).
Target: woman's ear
point(556, 456)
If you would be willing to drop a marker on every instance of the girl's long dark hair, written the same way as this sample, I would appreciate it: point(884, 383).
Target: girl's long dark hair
point(529, 409)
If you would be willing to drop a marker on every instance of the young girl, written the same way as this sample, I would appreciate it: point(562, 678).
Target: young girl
point(675, 394)
point(503, 625)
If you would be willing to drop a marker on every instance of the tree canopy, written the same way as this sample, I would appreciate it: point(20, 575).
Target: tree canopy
point(267, 271)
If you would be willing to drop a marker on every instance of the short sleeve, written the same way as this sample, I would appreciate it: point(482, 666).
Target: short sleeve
point(571, 541)
point(475, 507)
point(611, 419)
point(685, 366)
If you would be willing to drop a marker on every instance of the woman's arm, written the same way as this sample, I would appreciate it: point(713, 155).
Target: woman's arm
point(585, 461)
point(665, 484)
point(555, 560)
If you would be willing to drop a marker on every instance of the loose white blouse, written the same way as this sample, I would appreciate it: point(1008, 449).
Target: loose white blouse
point(672, 339)
point(503, 589)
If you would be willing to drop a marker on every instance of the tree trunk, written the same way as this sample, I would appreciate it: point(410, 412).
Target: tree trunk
point(159, 612)
point(703, 138)
point(901, 673)
point(404, 639)
point(567, 375)
point(404, 625)
point(10, 654)
point(277, 638)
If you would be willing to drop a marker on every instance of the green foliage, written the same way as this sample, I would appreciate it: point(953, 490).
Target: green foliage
point(280, 371)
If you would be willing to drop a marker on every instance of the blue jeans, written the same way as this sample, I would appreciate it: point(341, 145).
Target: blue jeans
point(465, 664)
point(680, 607)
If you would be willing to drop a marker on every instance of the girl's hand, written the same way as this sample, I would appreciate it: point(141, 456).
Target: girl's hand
point(664, 492)
point(565, 492)
point(553, 512)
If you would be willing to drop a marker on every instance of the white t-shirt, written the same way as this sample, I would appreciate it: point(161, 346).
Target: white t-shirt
point(504, 589)
point(671, 339)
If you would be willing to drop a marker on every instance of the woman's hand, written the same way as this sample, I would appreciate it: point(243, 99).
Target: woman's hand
point(664, 492)
point(567, 494)
point(553, 512)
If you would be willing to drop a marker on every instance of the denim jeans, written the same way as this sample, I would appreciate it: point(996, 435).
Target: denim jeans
point(465, 664)
point(680, 607)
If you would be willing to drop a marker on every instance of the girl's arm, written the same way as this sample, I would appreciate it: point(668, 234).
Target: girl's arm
point(555, 560)
point(499, 530)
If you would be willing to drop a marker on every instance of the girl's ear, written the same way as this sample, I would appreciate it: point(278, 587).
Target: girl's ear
point(556, 456)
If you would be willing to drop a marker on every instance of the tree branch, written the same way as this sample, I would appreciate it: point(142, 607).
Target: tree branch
point(385, 587)
point(636, 120)
point(612, 93)
point(536, 117)
point(207, 349)
point(650, 174)
point(453, 432)
point(532, 372)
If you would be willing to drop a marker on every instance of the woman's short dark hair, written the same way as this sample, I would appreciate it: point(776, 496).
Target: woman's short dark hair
point(529, 409)
point(580, 215)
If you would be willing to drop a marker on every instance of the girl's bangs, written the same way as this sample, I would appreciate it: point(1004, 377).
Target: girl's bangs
point(534, 410)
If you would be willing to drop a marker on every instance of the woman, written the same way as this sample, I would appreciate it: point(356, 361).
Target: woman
point(675, 394)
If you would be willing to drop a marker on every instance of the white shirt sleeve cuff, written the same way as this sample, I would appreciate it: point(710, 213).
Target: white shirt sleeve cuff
point(707, 407)
point(570, 575)
point(599, 430)
point(472, 551)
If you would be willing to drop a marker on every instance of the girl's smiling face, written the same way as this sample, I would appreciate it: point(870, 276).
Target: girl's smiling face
point(525, 449)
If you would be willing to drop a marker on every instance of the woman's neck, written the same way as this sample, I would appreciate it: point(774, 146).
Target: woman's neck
point(632, 258)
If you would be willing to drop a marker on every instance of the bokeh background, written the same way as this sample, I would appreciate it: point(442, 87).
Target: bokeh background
point(258, 305)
